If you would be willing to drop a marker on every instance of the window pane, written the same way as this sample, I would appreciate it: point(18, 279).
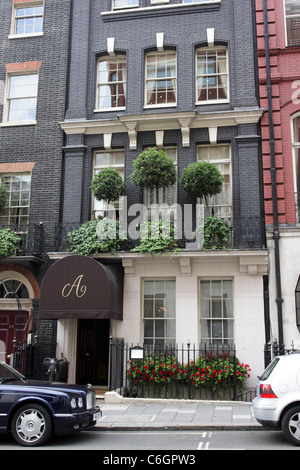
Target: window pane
point(159, 298)
point(29, 20)
point(125, 3)
point(292, 10)
point(111, 82)
point(216, 307)
point(161, 78)
point(17, 210)
point(220, 204)
point(212, 79)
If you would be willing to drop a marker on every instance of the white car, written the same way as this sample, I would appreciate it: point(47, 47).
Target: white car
point(277, 402)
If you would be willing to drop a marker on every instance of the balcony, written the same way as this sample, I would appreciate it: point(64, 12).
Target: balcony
point(32, 239)
point(248, 234)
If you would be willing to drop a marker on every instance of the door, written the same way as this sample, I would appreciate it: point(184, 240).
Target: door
point(12, 328)
point(92, 352)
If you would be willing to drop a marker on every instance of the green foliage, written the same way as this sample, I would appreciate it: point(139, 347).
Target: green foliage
point(9, 242)
point(216, 233)
point(108, 185)
point(156, 238)
point(201, 179)
point(96, 236)
point(3, 197)
point(153, 169)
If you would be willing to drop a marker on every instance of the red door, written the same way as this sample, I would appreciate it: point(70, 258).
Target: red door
point(10, 330)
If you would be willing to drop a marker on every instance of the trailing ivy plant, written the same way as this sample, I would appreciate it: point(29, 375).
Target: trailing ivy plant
point(3, 196)
point(157, 237)
point(97, 236)
point(153, 169)
point(216, 233)
point(202, 179)
point(108, 185)
point(9, 242)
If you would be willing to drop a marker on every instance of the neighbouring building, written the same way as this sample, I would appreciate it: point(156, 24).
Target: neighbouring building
point(278, 46)
point(179, 75)
point(34, 41)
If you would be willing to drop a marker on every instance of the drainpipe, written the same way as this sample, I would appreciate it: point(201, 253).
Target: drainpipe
point(276, 234)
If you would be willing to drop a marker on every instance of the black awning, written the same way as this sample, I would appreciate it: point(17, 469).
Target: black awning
point(80, 287)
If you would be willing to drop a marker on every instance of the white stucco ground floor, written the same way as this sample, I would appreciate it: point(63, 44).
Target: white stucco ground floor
point(190, 297)
point(289, 258)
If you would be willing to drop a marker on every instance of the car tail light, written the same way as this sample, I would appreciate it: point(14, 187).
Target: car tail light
point(266, 391)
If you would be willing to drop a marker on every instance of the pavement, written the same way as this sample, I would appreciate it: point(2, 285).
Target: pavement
point(143, 414)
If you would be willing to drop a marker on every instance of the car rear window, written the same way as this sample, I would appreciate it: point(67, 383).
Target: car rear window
point(269, 369)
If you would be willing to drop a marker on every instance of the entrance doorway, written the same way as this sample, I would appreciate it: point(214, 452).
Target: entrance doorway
point(92, 352)
point(12, 328)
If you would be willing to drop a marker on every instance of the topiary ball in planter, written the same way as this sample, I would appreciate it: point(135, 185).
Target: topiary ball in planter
point(153, 169)
point(201, 179)
point(108, 185)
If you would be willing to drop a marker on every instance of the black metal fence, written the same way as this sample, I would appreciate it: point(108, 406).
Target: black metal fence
point(186, 372)
point(29, 359)
point(247, 232)
point(31, 238)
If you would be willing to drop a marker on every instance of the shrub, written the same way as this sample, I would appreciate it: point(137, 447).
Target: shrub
point(9, 242)
point(96, 236)
point(201, 179)
point(153, 169)
point(156, 237)
point(216, 233)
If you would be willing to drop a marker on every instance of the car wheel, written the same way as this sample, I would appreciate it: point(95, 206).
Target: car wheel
point(31, 425)
point(291, 425)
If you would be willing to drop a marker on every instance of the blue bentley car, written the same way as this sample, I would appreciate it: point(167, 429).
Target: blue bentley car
point(33, 411)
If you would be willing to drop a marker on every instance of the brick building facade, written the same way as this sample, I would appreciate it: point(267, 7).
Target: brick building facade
point(278, 41)
point(178, 75)
point(33, 79)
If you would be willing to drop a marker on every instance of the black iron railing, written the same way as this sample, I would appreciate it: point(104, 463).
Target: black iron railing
point(31, 236)
point(245, 233)
point(186, 372)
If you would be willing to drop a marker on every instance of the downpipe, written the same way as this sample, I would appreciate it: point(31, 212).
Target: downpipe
point(276, 232)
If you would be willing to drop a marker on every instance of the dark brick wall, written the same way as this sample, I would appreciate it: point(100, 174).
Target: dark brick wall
point(41, 143)
point(184, 29)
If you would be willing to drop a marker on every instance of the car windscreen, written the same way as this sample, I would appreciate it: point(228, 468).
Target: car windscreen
point(269, 369)
point(8, 373)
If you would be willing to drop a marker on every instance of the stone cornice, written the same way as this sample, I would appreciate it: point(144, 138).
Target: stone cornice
point(185, 121)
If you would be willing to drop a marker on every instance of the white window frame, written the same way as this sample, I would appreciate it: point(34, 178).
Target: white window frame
point(212, 317)
point(100, 206)
point(226, 73)
point(197, 1)
point(286, 17)
point(15, 219)
point(113, 58)
point(125, 4)
point(164, 340)
point(149, 196)
point(16, 6)
point(158, 79)
point(216, 201)
point(9, 99)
